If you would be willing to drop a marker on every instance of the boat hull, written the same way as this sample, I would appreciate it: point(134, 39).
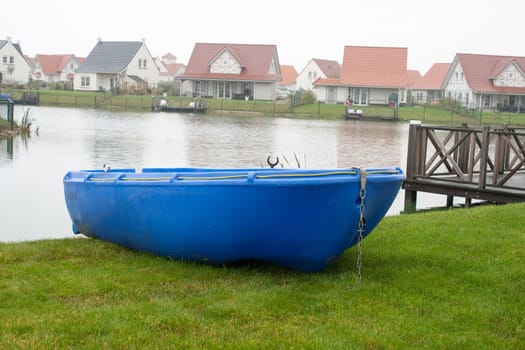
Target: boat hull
point(301, 219)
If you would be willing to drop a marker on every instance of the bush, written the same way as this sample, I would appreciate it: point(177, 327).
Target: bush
point(308, 97)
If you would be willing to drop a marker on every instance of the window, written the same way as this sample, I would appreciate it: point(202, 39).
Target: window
point(142, 63)
point(200, 86)
point(486, 100)
point(85, 81)
point(364, 98)
point(4, 60)
point(11, 59)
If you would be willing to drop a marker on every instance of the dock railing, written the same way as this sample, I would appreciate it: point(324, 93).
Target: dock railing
point(474, 163)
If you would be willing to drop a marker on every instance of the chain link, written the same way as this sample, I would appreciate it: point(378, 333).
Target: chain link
point(361, 227)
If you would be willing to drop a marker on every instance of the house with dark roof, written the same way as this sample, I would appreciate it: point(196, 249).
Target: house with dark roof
point(54, 68)
point(117, 66)
point(429, 87)
point(232, 71)
point(315, 69)
point(487, 82)
point(14, 68)
point(369, 76)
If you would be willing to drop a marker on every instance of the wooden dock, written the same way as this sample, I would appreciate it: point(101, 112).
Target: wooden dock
point(485, 163)
point(196, 105)
point(358, 114)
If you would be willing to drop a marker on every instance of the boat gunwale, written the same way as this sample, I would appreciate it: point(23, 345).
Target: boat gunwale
point(231, 176)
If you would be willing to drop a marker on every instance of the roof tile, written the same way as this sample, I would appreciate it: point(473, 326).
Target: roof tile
point(384, 67)
point(433, 78)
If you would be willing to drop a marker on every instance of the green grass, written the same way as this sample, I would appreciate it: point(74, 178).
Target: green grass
point(436, 280)
point(429, 115)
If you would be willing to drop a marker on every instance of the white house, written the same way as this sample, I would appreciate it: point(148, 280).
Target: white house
point(289, 77)
point(116, 66)
point(487, 82)
point(369, 76)
point(14, 67)
point(54, 68)
point(169, 69)
point(429, 88)
point(317, 69)
point(233, 71)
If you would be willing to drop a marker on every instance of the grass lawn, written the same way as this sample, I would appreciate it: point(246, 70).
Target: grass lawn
point(436, 280)
point(429, 115)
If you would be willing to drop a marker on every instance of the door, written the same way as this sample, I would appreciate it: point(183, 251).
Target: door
point(224, 89)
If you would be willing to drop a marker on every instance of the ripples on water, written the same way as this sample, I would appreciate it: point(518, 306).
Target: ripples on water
point(31, 170)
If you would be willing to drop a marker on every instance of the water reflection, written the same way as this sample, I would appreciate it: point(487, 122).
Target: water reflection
point(80, 139)
point(6, 147)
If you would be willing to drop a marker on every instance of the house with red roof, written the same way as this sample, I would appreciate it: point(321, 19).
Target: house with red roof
point(232, 71)
point(413, 76)
point(315, 69)
point(487, 82)
point(288, 77)
point(169, 68)
point(429, 87)
point(369, 76)
point(54, 68)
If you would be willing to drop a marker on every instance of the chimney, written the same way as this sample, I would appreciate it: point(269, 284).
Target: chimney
point(9, 39)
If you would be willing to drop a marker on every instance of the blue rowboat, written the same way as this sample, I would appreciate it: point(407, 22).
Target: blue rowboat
point(299, 218)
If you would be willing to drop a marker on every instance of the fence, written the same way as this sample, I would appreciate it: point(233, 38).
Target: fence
point(474, 163)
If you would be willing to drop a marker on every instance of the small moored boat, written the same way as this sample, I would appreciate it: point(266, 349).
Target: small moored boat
point(299, 218)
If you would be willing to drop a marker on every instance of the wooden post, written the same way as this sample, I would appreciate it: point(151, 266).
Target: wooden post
point(413, 159)
point(485, 139)
point(450, 201)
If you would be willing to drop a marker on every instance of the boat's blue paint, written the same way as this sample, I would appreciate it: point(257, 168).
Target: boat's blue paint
point(303, 219)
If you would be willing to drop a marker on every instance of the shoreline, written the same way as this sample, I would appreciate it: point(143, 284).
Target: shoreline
point(7, 132)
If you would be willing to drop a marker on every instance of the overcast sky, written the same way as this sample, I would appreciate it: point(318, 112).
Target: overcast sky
point(433, 31)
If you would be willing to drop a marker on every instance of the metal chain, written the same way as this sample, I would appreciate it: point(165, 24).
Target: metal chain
point(360, 227)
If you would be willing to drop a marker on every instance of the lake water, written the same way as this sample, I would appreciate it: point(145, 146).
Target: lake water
point(31, 169)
